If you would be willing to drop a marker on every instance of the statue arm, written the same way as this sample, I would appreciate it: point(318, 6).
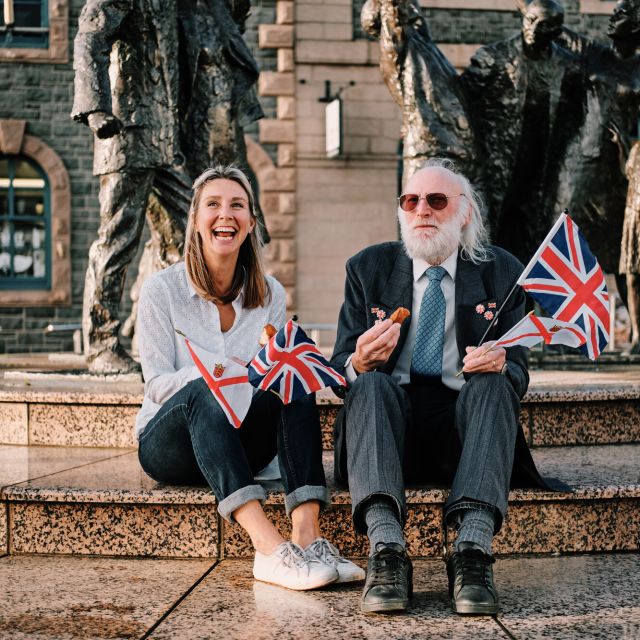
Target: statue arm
point(99, 24)
point(387, 20)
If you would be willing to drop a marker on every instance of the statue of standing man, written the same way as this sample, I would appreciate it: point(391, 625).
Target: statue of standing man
point(424, 84)
point(142, 67)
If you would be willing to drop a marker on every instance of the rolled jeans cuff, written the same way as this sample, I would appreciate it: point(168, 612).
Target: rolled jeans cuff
point(239, 498)
point(304, 494)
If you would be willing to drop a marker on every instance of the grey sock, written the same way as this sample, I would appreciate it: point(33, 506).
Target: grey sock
point(477, 528)
point(383, 527)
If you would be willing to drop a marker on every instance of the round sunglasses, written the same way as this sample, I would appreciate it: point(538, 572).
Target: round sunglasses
point(437, 201)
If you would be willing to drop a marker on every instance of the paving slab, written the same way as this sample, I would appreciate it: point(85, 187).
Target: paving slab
point(228, 603)
point(567, 598)
point(65, 598)
point(20, 463)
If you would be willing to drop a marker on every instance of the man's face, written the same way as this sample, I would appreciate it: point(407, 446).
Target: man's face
point(428, 233)
point(625, 21)
point(541, 24)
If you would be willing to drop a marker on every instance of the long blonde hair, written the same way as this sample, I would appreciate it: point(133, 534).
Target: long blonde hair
point(249, 269)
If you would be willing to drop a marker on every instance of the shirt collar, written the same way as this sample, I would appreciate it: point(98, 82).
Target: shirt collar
point(236, 303)
point(449, 265)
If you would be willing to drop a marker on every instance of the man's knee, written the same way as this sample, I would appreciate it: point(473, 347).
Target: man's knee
point(372, 382)
point(481, 384)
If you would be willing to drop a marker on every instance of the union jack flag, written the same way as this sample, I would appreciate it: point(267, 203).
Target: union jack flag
point(228, 381)
point(291, 365)
point(566, 279)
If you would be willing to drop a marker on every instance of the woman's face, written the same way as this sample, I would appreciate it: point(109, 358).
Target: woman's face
point(223, 218)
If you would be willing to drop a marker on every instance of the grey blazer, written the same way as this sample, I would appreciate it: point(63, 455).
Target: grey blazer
point(381, 277)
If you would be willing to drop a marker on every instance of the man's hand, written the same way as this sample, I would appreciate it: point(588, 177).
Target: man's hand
point(484, 359)
point(375, 345)
point(104, 125)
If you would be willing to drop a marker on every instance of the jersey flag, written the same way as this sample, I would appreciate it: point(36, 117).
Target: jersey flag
point(531, 330)
point(227, 380)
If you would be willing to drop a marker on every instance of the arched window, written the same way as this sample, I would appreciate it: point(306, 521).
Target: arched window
point(35, 221)
point(25, 225)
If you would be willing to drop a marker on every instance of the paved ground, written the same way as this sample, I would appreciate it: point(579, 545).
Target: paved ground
point(47, 598)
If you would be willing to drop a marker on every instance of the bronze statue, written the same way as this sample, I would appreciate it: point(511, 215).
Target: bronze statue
point(630, 254)
point(424, 84)
point(525, 98)
point(593, 173)
point(217, 100)
point(141, 69)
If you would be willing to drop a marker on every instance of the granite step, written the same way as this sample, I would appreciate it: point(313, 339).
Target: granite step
point(81, 501)
point(560, 408)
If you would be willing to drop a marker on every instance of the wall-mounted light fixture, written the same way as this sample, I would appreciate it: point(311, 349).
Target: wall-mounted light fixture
point(333, 119)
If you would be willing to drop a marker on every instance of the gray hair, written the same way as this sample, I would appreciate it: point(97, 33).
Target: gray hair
point(475, 236)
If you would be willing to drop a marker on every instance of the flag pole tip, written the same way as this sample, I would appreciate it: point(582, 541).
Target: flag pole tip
point(294, 318)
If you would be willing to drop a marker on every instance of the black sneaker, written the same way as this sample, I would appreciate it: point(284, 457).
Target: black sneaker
point(389, 583)
point(471, 586)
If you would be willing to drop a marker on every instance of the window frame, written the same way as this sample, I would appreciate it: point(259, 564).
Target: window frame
point(56, 18)
point(12, 283)
point(13, 141)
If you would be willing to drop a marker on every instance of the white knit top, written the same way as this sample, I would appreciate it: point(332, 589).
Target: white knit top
point(167, 302)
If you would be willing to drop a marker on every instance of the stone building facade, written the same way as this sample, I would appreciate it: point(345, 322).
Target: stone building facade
point(319, 210)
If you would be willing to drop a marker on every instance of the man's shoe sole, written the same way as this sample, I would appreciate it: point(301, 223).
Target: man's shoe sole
point(475, 609)
point(383, 607)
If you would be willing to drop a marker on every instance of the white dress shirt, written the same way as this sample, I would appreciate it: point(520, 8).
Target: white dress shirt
point(451, 362)
point(168, 301)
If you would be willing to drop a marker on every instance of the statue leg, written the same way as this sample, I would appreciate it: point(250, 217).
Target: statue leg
point(123, 200)
point(167, 212)
point(633, 306)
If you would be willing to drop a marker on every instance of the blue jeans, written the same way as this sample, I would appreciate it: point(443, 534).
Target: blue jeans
point(190, 441)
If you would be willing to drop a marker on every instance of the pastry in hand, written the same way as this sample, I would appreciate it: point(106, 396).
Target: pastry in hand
point(267, 333)
point(400, 315)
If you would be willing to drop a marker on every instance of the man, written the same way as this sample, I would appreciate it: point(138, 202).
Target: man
point(525, 97)
point(408, 416)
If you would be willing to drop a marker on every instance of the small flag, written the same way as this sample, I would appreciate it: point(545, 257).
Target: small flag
point(531, 330)
point(291, 365)
point(566, 279)
point(228, 381)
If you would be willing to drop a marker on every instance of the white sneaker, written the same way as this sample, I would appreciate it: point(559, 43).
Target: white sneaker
point(288, 567)
point(321, 549)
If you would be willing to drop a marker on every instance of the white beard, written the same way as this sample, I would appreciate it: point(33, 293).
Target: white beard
point(434, 249)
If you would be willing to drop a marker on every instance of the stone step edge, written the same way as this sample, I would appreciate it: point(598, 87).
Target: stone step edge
point(201, 496)
point(325, 398)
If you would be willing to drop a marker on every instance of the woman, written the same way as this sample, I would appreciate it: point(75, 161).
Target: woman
point(221, 299)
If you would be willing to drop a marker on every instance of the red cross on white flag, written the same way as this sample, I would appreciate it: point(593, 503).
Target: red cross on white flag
point(228, 381)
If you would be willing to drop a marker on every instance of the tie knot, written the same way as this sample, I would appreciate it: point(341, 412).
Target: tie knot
point(436, 273)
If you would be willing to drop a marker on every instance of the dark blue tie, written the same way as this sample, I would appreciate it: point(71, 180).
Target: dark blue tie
point(426, 362)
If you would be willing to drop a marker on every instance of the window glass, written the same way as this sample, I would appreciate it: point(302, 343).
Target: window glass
point(24, 225)
point(29, 27)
